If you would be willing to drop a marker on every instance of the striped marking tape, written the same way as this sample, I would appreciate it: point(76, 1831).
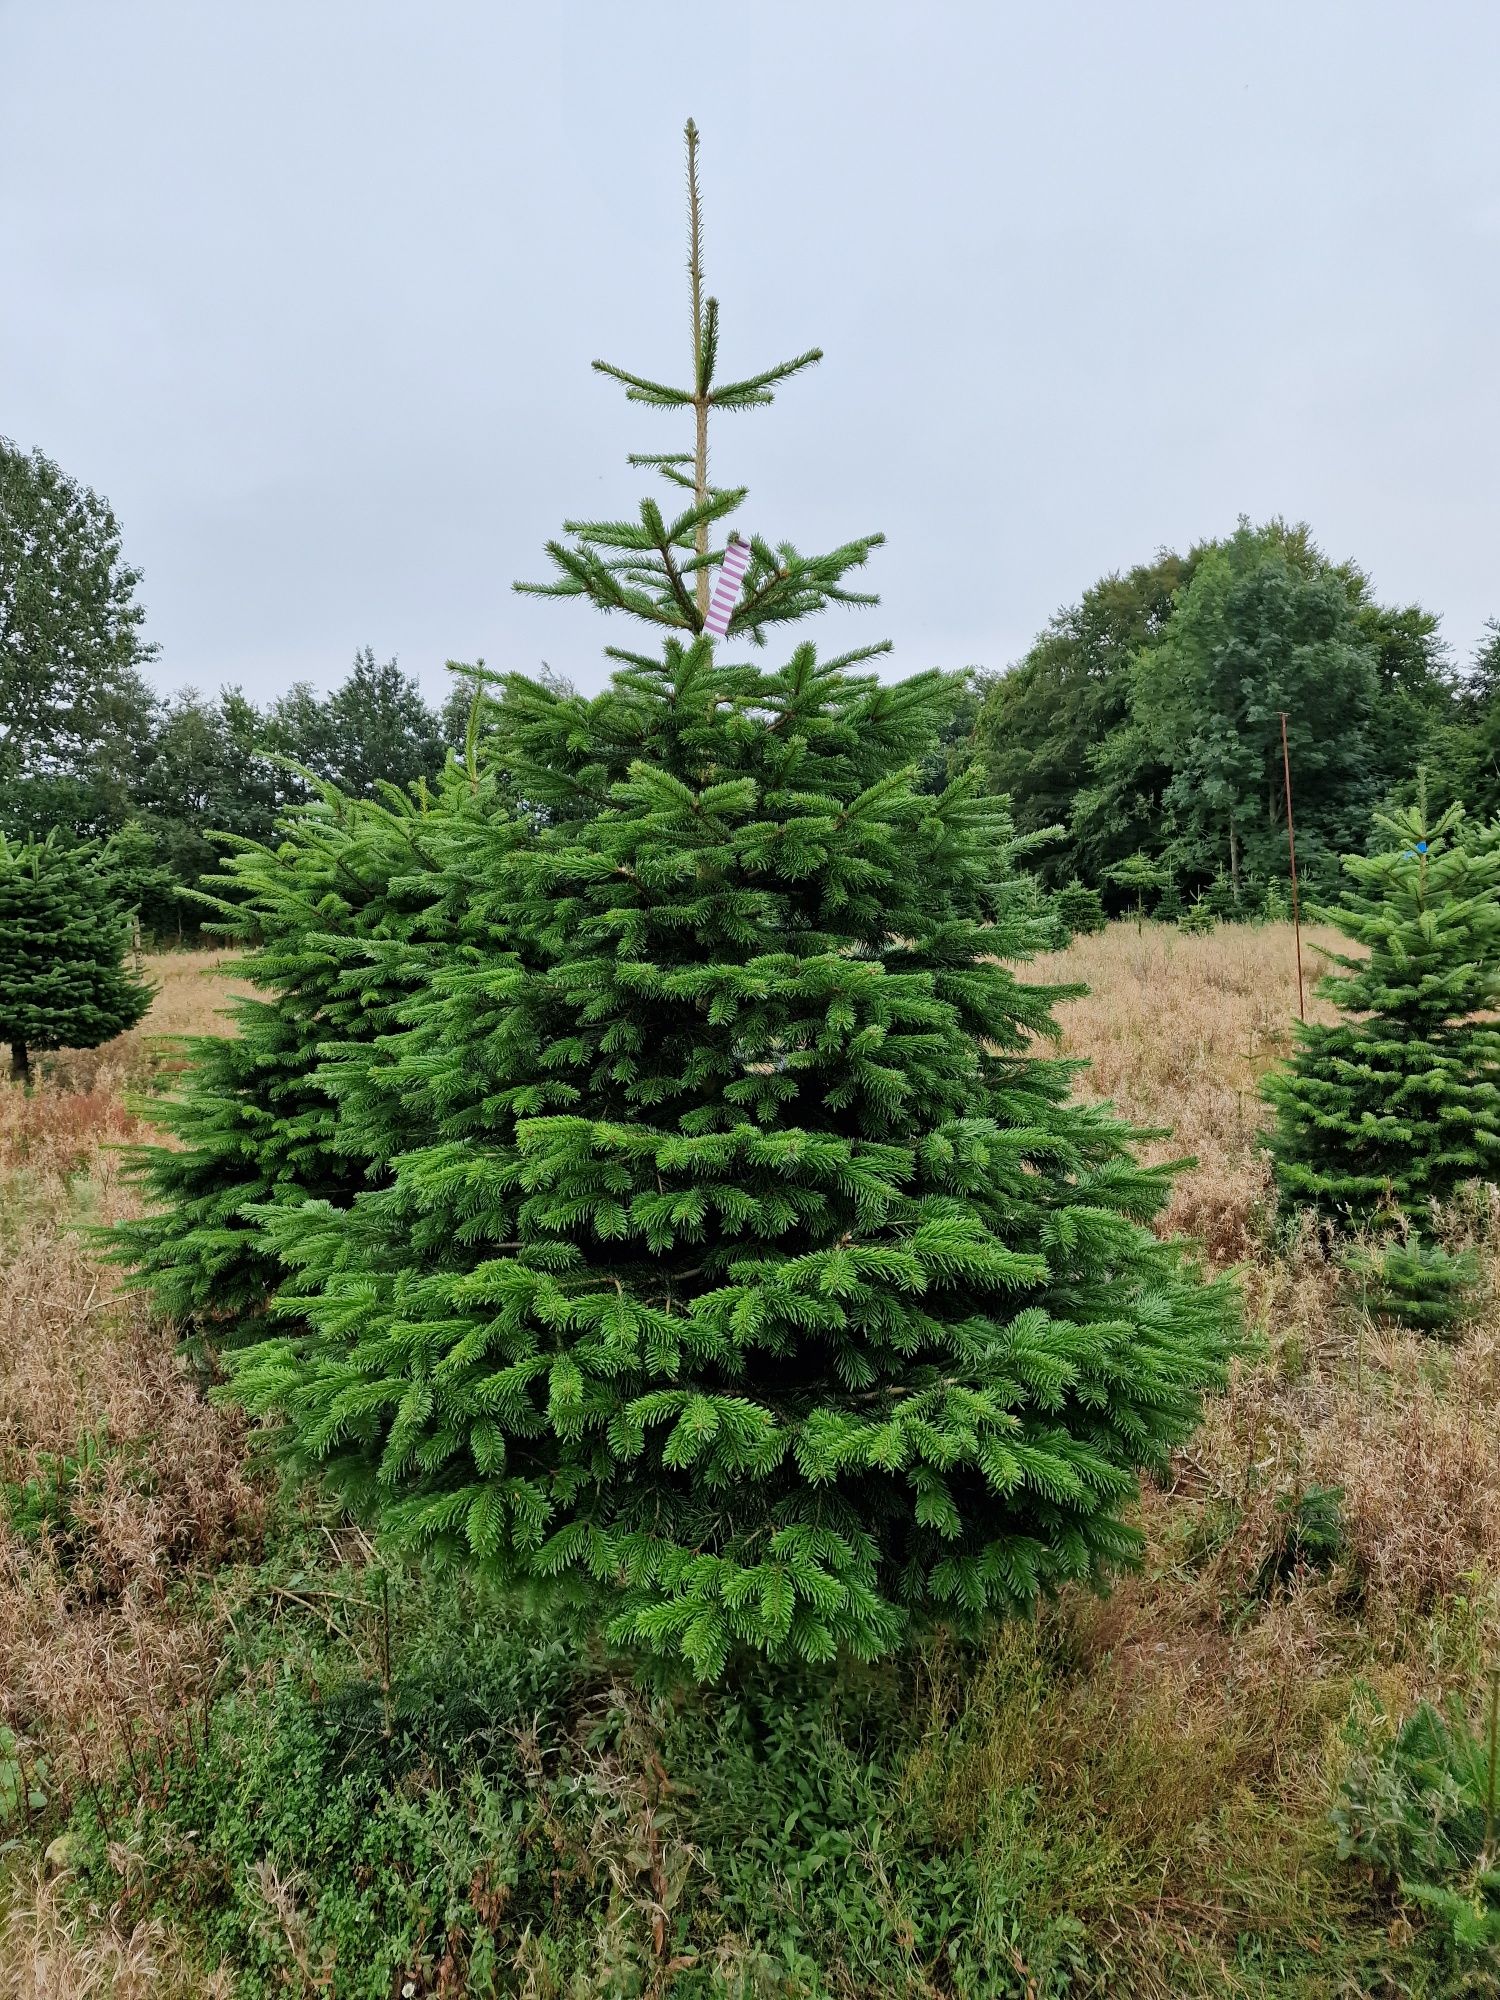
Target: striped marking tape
point(727, 589)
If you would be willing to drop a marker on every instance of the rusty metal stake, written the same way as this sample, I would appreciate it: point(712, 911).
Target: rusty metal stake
point(1291, 841)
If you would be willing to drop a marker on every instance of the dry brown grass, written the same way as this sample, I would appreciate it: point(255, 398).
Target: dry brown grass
point(100, 1661)
point(1178, 1031)
point(1208, 1688)
point(81, 1103)
point(1196, 1715)
point(46, 1955)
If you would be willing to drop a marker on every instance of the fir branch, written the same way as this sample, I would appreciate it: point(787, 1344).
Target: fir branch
point(640, 390)
point(741, 395)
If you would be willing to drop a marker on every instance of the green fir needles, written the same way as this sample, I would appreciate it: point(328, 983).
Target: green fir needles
point(753, 1277)
point(63, 938)
point(336, 922)
point(658, 569)
point(1396, 1105)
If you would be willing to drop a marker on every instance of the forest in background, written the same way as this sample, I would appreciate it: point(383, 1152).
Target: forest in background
point(88, 747)
point(1145, 721)
point(1140, 733)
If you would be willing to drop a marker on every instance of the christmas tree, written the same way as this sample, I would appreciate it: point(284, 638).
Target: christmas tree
point(757, 1279)
point(1079, 909)
point(332, 925)
point(64, 983)
point(1140, 873)
point(1397, 1104)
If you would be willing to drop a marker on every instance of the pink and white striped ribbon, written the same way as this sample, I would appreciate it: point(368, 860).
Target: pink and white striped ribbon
point(727, 589)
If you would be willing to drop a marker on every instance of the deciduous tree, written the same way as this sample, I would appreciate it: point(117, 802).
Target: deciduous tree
point(74, 706)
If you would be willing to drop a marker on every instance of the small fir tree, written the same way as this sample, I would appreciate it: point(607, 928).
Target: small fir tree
point(139, 880)
point(64, 982)
point(756, 1279)
point(1079, 909)
point(1142, 876)
point(1221, 899)
point(1276, 903)
point(1418, 1284)
point(1397, 1104)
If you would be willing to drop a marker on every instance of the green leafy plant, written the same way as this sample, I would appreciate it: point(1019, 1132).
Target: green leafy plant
point(505, 1803)
point(754, 1279)
point(24, 1785)
point(44, 1503)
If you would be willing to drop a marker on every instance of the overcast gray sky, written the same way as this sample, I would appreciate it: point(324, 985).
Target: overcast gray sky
point(309, 288)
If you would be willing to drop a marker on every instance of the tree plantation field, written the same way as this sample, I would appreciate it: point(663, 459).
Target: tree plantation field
point(241, 1755)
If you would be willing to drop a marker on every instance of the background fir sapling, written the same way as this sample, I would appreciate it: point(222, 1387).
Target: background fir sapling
point(1221, 900)
point(64, 983)
point(758, 1282)
point(1079, 909)
point(335, 922)
point(1420, 1284)
point(1398, 1104)
point(1141, 877)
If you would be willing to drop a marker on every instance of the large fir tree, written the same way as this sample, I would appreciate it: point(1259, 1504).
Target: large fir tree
point(1395, 1105)
point(64, 983)
point(757, 1278)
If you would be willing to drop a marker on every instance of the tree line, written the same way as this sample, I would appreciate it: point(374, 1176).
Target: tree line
point(90, 752)
point(1145, 721)
point(1138, 739)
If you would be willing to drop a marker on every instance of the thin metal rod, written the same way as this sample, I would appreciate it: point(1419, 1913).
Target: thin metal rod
point(1291, 841)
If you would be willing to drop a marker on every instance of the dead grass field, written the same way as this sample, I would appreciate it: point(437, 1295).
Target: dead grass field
point(1178, 1031)
point(1182, 1714)
point(97, 1662)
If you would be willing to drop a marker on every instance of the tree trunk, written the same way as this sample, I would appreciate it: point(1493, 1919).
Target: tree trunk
point(20, 1063)
point(1234, 862)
